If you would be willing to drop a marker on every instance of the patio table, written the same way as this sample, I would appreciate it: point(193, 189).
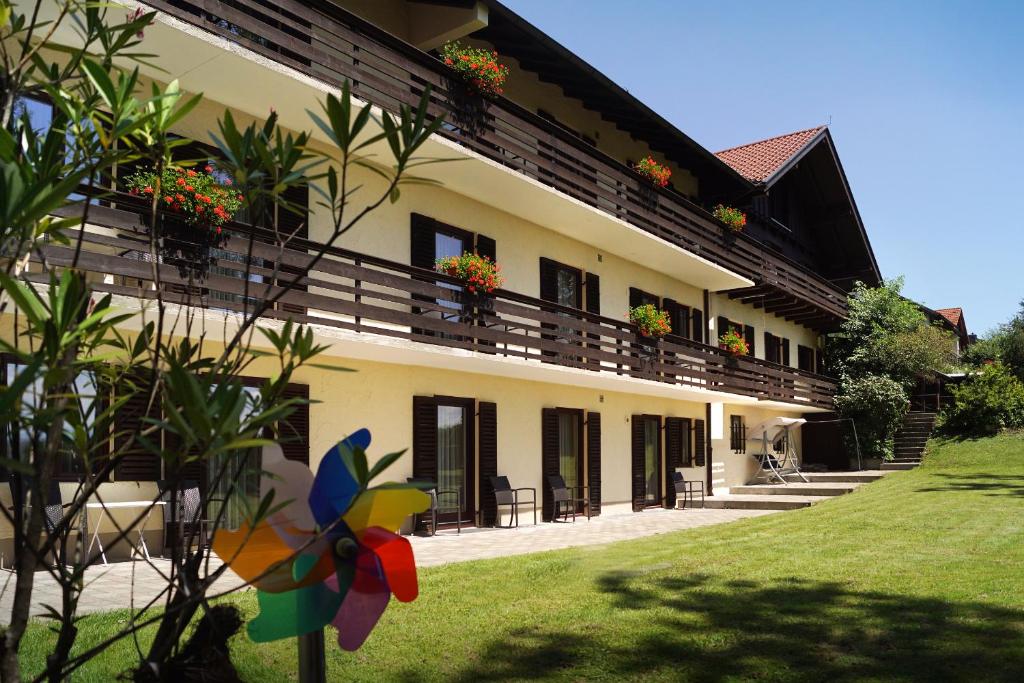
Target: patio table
point(120, 505)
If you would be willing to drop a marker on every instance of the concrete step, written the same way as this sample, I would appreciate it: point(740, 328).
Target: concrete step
point(916, 461)
point(890, 465)
point(862, 477)
point(741, 501)
point(797, 488)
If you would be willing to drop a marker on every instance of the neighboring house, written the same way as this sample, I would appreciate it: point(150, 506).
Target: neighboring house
point(955, 318)
point(549, 377)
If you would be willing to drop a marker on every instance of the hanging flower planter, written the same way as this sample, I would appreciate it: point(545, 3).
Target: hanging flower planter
point(734, 345)
point(657, 174)
point(479, 274)
point(652, 323)
point(479, 69)
point(733, 219)
point(194, 208)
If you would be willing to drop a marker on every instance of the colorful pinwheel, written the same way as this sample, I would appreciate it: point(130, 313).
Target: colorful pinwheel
point(328, 552)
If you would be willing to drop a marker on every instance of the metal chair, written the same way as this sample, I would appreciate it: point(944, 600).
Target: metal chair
point(685, 489)
point(186, 519)
point(505, 495)
point(568, 496)
point(437, 494)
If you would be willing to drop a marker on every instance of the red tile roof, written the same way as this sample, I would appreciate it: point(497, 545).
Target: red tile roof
point(953, 315)
point(758, 161)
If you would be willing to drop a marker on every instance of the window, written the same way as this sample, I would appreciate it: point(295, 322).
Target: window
point(646, 460)
point(430, 240)
point(565, 285)
point(17, 444)
point(652, 471)
point(805, 358)
point(638, 297)
point(776, 349)
point(570, 459)
point(746, 331)
point(737, 434)
point(234, 477)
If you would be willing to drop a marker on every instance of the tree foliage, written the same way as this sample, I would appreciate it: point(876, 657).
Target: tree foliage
point(879, 353)
point(876, 404)
point(988, 401)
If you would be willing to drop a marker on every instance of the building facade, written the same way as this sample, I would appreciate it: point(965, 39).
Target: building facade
point(547, 376)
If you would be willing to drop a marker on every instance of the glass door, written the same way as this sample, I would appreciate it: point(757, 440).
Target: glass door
point(454, 463)
point(652, 460)
point(570, 458)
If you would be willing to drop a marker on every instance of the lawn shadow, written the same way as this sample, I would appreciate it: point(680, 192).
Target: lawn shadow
point(705, 629)
point(990, 484)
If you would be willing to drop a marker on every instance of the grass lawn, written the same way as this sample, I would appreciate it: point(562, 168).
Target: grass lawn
point(916, 577)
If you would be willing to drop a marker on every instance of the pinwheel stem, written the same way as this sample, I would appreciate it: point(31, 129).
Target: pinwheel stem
point(312, 662)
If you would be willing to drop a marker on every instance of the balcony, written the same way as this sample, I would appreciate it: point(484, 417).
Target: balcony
point(376, 303)
point(332, 45)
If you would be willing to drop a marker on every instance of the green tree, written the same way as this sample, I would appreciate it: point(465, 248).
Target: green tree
point(882, 348)
point(988, 401)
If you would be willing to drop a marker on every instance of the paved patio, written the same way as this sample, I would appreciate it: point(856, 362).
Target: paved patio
point(123, 584)
point(477, 544)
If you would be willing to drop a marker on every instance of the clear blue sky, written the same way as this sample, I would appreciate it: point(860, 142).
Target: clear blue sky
point(926, 100)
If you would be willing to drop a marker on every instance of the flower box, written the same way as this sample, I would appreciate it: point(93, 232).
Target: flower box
point(479, 68)
point(734, 344)
point(734, 219)
point(658, 174)
point(479, 274)
point(194, 207)
point(651, 322)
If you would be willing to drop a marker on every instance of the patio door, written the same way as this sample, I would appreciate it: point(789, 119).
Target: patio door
point(647, 469)
point(444, 452)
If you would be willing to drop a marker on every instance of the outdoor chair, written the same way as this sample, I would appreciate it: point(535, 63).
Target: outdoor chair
point(506, 496)
point(438, 506)
point(567, 498)
point(186, 520)
point(685, 489)
point(53, 510)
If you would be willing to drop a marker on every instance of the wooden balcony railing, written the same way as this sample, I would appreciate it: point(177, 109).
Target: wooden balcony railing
point(369, 295)
point(331, 44)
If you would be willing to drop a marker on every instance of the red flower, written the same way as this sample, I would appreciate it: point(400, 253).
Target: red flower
point(208, 168)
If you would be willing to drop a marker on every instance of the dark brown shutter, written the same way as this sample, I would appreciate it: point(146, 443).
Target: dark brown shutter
point(424, 438)
point(488, 437)
point(768, 346)
point(294, 430)
point(637, 424)
point(594, 461)
point(697, 325)
point(592, 294)
point(422, 244)
point(136, 463)
point(548, 292)
point(548, 280)
point(635, 297)
point(486, 246)
point(549, 458)
point(748, 334)
point(673, 456)
point(699, 446)
point(785, 351)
